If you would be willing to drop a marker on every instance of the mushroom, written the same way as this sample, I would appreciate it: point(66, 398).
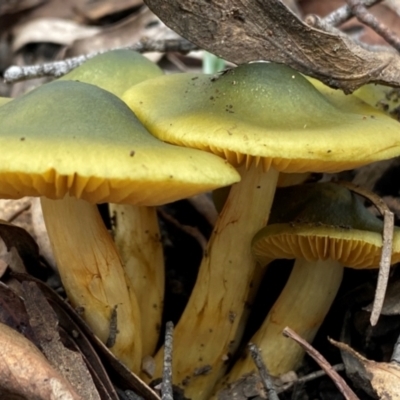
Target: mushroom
point(115, 71)
point(76, 144)
point(324, 227)
point(135, 229)
point(263, 118)
point(383, 97)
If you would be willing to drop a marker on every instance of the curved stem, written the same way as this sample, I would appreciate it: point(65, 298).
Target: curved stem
point(302, 306)
point(212, 324)
point(138, 239)
point(93, 277)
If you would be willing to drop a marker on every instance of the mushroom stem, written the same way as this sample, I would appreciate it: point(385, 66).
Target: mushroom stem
point(93, 276)
point(137, 236)
point(302, 306)
point(212, 324)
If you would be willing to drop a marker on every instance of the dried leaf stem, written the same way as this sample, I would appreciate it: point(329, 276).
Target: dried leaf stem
point(387, 243)
point(323, 363)
point(309, 377)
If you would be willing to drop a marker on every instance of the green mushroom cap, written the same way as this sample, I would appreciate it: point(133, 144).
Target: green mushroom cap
point(115, 71)
point(319, 222)
point(263, 112)
point(75, 138)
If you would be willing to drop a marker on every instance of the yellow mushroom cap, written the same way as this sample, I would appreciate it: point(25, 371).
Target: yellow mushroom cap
point(75, 138)
point(115, 71)
point(320, 222)
point(382, 97)
point(264, 112)
point(347, 102)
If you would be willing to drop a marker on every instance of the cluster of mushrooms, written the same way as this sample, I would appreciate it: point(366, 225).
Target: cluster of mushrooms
point(117, 130)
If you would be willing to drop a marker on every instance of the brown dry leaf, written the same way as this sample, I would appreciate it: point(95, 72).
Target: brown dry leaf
point(247, 30)
point(394, 5)
point(14, 6)
point(50, 30)
point(42, 9)
point(76, 327)
point(123, 33)
point(380, 380)
point(26, 374)
point(22, 247)
point(57, 9)
point(17, 212)
point(320, 8)
point(101, 8)
point(44, 323)
point(13, 312)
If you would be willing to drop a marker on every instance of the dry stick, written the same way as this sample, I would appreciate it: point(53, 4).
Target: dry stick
point(323, 363)
point(166, 386)
point(387, 244)
point(384, 266)
point(309, 377)
point(359, 10)
point(263, 371)
point(336, 17)
point(58, 68)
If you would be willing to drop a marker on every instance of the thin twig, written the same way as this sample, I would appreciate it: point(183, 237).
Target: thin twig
point(360, 11)
point(58, 68)
point(336, 17)
point(263, 371)
point(384, 266)
point(387, 243)
point(309, 377)
point(323, 363)
point(166, 386)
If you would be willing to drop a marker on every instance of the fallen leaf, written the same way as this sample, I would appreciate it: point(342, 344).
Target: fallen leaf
point(44, 323)
point(22, 247)
point(94, 11)
point(241, 31)
point(378, 379)
point(26, 374)
point(75, 326)
point(13, 312)
point(14, 6)
point(50, 30)
point(124, 33)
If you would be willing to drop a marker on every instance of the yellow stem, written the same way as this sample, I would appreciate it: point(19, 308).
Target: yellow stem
point(137, 236)
point(302, 306)
point(212, 324)
point(92, 274)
